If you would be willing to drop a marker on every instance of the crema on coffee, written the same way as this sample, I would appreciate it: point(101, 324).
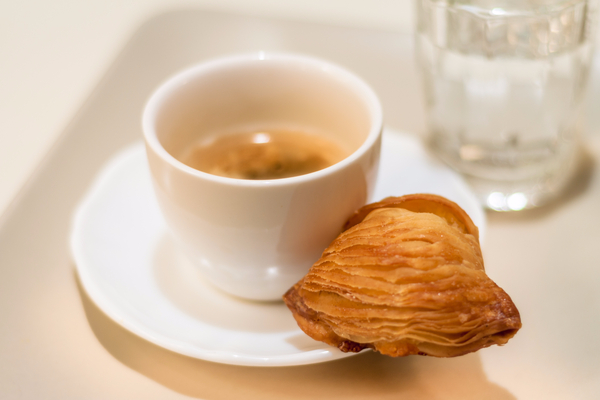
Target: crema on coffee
point(272, 154)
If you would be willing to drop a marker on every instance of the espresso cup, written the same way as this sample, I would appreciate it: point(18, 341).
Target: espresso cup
point(256, 238)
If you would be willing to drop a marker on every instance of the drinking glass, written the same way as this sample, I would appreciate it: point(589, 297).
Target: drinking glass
point(503, 82)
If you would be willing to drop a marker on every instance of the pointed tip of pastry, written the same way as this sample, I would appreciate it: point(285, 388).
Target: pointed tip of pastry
point(421, 202)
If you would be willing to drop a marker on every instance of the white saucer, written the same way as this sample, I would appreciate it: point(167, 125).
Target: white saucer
point(132, 271)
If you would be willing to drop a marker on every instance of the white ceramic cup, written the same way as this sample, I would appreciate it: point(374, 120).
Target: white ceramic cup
point(256, 238)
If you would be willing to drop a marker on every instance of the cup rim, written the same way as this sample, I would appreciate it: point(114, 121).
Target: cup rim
point(181, 78)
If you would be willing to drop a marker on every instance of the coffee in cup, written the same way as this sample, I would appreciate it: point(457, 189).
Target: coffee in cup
point(273, 154)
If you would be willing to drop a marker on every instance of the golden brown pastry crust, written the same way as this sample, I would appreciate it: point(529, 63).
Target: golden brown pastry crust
point(405, 277)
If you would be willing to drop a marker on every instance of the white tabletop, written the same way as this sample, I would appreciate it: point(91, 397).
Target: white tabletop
point(54, 53)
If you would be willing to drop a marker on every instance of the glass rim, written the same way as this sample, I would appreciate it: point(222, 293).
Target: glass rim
point(504, 11)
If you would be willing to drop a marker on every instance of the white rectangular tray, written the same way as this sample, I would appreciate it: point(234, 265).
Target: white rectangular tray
point(55, 343)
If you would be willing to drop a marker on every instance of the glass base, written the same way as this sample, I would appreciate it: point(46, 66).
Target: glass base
point(503, 187)
point(518, 195)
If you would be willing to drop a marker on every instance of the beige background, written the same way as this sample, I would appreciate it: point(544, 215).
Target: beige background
point(53, 54)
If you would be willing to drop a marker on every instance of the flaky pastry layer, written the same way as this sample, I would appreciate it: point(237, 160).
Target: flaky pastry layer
point(406, 276)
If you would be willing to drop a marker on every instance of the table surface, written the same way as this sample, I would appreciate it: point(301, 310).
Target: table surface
point(55, 343)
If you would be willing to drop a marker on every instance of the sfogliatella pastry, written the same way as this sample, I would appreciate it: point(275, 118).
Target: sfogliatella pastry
point(405, 277)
